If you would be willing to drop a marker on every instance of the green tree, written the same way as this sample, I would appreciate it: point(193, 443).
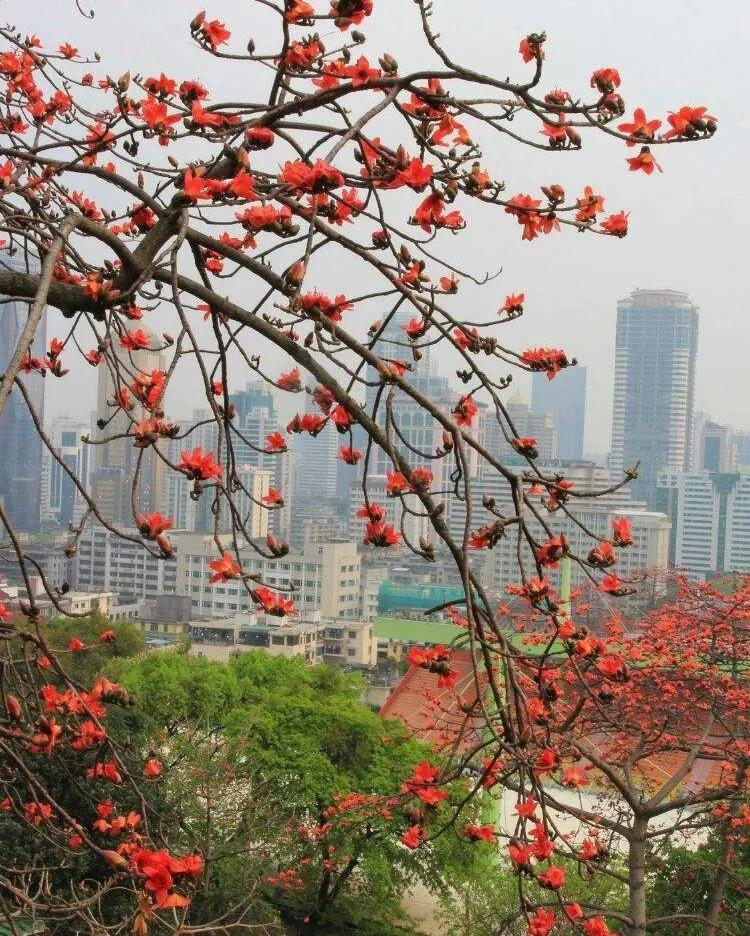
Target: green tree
point(264, 759)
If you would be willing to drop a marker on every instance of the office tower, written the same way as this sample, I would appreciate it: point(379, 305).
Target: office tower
point(564, 398)
point(741, 441)
point(527, 424)
point(116, 461)
point(256, 417)
point(655, 352)
point(316, 457)
point(715, 448)
point(21, 462)
point(61, 502)
point(710, 514)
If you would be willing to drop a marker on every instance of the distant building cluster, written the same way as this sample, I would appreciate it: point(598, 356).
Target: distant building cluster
point(688, 506)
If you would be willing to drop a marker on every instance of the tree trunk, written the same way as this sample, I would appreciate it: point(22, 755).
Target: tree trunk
point(637, 877)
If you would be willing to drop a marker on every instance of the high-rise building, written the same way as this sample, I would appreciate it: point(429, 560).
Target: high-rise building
point(116, 461)
point(317, 458)
point(256, 417)
point(715, 449)
point(655, 354)
point(710, 514)
point(60, 499)
point(21, 462)
point(564, 398)
point(527, 424)
point(741, 441)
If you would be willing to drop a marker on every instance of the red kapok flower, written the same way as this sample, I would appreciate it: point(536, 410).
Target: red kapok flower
point(224, 569)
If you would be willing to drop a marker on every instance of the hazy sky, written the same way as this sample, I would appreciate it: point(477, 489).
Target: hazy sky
point(687, 225)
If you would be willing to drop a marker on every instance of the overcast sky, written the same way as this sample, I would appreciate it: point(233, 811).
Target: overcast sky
point(688, 226)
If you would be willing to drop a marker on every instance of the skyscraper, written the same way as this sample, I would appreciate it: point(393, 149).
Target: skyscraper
point(564, 398)
point(527, 423)
point(60, 501)
point(655, 352)
point(21, 463)
point(115, 461)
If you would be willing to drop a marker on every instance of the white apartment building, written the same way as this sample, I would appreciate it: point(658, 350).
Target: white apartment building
point(325, 578)
point(710, 515)
point(499, 566)
point(108, 562)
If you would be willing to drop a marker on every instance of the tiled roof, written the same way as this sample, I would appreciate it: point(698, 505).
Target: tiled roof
point(438, 715)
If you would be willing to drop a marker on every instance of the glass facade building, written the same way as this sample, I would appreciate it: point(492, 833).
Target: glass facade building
point(655, 355)
point(21, 464)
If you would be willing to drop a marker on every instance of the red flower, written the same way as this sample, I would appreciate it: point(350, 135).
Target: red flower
point(530, 48)
point(68, 50)
point(640, 128)
point(37, 813)
point(275, 442)
point(622, 534)
point(272, 602)
point(195, 186)
point(480, 833)
point(605, 80)
point(467, 340)
point(417, 175)
point(273, 498)
point(595, 926)
point(290, 381)
point(414, 837)
point(6, 614)
point(550, 553)
point(378, 533)
point(156, 117)
point(107, 636)
point(317, 178)
point(76, 645)
point(687, 121)
point(527, 808)
point(549, 360)
point(259, 137)
point(348, 13)
point(416, 328)
point(199, 465)
point(298, 10)
point(214, 32)
point(421, 477)
point(135, 339)
point(396, 484)
point(465, 411)
point(307, 422)
point(616, 224)
point(372, 512)
point(644, 160)
point(541, 923)
point(552, 879)
point(351, 456)
point(361, 73)
point(224, 569)
point(152, 525)
point(520, 855)
point(611, 585)
point(152, 769)
point(93, 357)
point(525, 445)
point(514, 303)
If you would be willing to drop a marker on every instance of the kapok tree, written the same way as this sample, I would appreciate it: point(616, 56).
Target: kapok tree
point(139, 205)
